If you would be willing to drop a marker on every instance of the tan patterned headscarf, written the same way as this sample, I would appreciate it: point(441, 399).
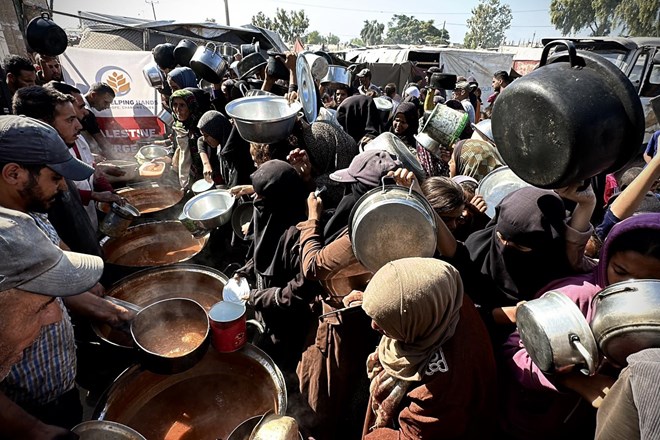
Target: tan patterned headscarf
point(416, 302)
point(476, 158)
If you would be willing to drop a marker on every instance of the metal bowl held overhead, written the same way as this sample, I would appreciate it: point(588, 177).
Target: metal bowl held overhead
point(263, 119)
point(210, 209)
point(205, 402)
point(199, 283)
point(389, 223)
point(556, 334)
point(627, 318)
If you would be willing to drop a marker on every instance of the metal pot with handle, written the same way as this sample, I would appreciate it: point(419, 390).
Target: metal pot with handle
point(116, 222)
point(626, 318)
point(577, 115)
point(45, 37)
point(389, 223)
point(154, 76)
point(208, 64)
point(556, 334)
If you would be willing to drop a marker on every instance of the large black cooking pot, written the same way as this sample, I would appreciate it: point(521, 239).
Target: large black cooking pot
point(45, 37)
point(577, 115)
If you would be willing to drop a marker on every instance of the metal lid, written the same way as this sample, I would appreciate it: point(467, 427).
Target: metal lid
point(306, 89)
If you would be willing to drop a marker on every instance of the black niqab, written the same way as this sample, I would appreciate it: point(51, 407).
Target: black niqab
point(282, 205)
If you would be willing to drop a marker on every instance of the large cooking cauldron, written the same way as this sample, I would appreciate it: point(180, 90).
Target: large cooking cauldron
point(153, 200)
point(205, 402)
point(199, 283)
point(575, 116)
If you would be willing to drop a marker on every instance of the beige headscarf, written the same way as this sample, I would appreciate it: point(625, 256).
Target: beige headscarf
point(416, 302)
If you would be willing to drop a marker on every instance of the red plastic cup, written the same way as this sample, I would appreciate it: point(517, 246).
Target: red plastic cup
point(228, 326)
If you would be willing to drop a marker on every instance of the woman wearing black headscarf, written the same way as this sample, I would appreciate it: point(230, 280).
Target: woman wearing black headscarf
point(282, 296)
point(405, 124)
point(529, 243)
point(359, 117)
point(215, 130)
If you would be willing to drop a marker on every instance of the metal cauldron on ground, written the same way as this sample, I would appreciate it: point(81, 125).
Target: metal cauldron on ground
point(152, 200)
point(575, 116)
point(207, 401)
point(199, 283)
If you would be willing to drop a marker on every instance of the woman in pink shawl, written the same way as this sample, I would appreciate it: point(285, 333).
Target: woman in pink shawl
point(540, 406)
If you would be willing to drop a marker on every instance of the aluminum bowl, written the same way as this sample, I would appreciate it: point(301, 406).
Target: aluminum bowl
point(263, 119)
point(210, 209)
point(150, 152)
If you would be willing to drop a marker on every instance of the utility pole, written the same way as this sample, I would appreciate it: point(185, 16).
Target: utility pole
point(153, 9)
point(227, 11)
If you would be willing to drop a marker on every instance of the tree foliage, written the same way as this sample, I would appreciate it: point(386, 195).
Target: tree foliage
point(403, 29)
point(290, 25)
point(639, 18)
point(372, 32)
point(488, 24)
point(315, 37)
point(571, 16)
point(601, 17)
point(356, 42)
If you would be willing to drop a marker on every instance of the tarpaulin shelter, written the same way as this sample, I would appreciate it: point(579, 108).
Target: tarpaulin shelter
point(400, 64)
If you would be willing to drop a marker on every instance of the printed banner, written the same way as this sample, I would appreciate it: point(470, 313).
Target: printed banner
point(132, 114)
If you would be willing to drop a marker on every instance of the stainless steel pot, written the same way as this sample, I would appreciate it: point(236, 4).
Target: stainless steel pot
point(149, 198)
point(557, 335)
point(627, 318)
point(263, 119)
point(249, 49)
point(216, 395)
point(228, 50)
point(317, 64)
point(153, 75)
point(208, 64)
point(210, 209)
point(105, 429)
point(116, 222)
point(389, 223)
point(337, 75)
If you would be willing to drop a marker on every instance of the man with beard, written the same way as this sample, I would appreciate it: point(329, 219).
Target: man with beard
point(48, 69)
point(98, 97)
point(80, 149)
point(34, 162)
point(20, 73)
point(67, 214)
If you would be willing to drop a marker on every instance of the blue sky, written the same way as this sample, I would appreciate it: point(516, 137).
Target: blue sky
point(531, 18)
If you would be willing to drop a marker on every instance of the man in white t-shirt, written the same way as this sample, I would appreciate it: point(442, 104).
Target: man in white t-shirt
point(462, 94)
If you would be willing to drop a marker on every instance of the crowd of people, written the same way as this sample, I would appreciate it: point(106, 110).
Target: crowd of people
point(422, 348)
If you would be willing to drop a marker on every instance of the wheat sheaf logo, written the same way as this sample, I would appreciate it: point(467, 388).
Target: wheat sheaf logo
point(115, 77)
